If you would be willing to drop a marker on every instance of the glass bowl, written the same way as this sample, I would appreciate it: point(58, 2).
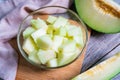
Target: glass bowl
point(43, 12)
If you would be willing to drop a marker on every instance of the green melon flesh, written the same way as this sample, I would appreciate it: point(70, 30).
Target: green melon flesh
point(28, 31)
point(29, 45)
point(103, 71)
point(33, 57)
point(38, 23)
point(46, 55)
point(61, 21)
point(96, 18)
point(44, 42)
point(52, 63)
point(51, 19)
point(53, 42)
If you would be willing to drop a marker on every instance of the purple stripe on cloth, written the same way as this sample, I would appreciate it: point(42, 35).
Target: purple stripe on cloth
point(8, 61)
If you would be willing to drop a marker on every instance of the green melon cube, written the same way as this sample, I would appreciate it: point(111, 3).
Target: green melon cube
point(50, 30)
point(35, 35)
point(57, 42)
point(61, 21)
point(65, 58)
point(27, 32)
point(38, 23)
point(34, 57)
point(79, 40)
point(68, 46)
point(51, 19)
point(44, 42)
point(29, 45)
point(52, 63)
point(46, 55)
point(73, 30)
point(60, 31)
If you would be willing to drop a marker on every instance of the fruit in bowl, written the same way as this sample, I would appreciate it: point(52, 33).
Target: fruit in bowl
point(53, 42)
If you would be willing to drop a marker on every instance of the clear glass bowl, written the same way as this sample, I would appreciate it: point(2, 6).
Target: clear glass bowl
point(42, 12)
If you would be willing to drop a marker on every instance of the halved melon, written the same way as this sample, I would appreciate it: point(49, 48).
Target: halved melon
point(100, 15)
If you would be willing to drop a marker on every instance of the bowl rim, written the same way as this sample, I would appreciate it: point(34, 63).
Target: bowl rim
point(45, 67)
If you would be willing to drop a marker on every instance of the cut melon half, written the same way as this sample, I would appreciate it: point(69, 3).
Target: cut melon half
point(100, 15)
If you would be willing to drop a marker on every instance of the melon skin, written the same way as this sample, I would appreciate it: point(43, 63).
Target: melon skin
point(95, 19)
point(105, 70)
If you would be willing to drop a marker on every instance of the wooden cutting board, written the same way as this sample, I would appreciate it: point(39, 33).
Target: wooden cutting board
point(26, 71)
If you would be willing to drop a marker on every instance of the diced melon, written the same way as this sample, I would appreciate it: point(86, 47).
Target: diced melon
point(52, 63)
point(68, 46)
point(46, 55)
point(45, 42)
point(57, 42)
point(73, 30)
point(61, 21)
point(34, 57)
point(79, 40)
point(53, 42)
point(28, 31)
point(38, 23)
point(35, 35)
point(103, 71)
point(51, 19)
point(50, 30)
point(29, 45)
point(65, 58)
point(60, 31)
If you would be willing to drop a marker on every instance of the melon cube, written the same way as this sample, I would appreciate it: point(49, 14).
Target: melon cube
point(73, 30)
point(79, 40)
point(38, 23)
point(60, 31)
point(27, 32)
point(35, 35)
point(68, 46)
point(34, 57)
point(50, 30)
point(65, 58)
point(46, 55)
point(52, 63)
point(57, 42)
point(51, 19)
point(45, 42)
point(61, 21)
point(29, 45)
